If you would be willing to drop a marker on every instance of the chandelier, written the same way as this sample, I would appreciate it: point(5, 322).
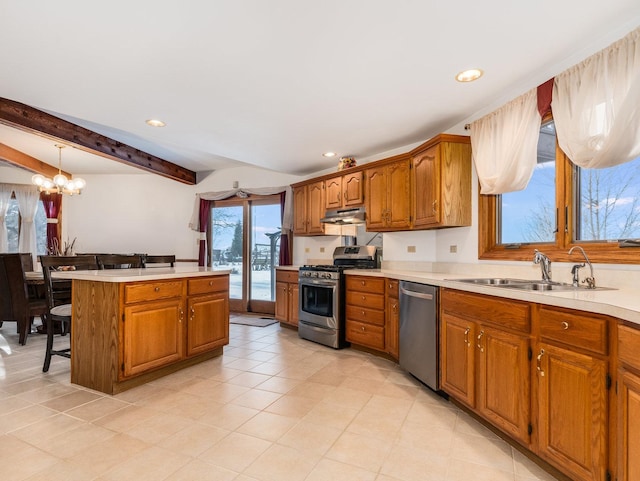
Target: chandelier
point(59, 183)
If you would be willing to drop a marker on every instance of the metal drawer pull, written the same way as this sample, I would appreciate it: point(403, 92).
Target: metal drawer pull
point(565, 325)
point(539, 359)
point(466, 336)
point(362, 328)
point(157, 289)
point(479, 341)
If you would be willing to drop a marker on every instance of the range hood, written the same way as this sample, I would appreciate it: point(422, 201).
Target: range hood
point(344, 216)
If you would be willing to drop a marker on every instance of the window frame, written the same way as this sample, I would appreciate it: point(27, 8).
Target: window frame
point(598, 251)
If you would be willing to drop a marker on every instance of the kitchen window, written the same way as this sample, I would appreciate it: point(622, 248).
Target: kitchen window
point(564, 205)
point(12, 223)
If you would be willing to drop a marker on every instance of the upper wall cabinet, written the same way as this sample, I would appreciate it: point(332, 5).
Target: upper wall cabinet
point(387, 196)
point(441, 183)
point(308, 208)
point(343, 191)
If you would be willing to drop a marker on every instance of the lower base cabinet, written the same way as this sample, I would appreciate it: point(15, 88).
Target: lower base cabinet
point(628, 440)
point(287, 297)
point(538, 373)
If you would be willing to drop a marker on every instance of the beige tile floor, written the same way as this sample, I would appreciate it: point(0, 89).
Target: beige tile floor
point(272, 408)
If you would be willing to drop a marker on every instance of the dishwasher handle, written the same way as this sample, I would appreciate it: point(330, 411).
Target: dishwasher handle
point(420, 295)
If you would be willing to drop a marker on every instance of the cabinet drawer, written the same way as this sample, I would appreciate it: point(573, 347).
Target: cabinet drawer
point(287, 276)
point(365, 334)
point(206, 285)
point(504, 313)
point(364, 299)
point(391, 288)
point(367, 284)
point(151, 291)
point(364, 314)
point(575, 328)
point(629, 345)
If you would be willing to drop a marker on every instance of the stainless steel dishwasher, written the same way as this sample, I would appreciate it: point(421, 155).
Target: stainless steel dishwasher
point(418, 331)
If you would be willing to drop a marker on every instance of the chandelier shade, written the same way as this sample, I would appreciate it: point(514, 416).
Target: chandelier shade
point(59, 183)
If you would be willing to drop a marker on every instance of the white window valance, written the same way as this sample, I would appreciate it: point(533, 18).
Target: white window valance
point(287, 219)
point(504, 145)
point(596, 106)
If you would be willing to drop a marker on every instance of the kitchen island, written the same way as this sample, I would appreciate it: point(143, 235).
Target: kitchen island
point(130, 326)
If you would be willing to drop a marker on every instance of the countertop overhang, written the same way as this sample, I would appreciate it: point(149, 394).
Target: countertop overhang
point(134, 275)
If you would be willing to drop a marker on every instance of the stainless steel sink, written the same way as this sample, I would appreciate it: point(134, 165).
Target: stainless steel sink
point(525, 284)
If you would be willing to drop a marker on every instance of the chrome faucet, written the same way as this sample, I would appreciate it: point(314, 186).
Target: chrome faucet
point(545, 265)
point(590, 281)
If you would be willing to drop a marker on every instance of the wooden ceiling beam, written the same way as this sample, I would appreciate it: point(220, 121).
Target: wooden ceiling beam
point(20, 159)
point(29, 119)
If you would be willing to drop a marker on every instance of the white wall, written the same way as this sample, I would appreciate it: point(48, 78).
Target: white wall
point(14, 175)
point(146, 212)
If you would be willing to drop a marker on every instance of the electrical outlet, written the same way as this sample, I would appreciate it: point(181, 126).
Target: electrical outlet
point(411, 249)
point(453, 249)
point(307, 250)
point(321, 250)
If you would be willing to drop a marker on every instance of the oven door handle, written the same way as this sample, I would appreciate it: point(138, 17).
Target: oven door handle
point(313, 282)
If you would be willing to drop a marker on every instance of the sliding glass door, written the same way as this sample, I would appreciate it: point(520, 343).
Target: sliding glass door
point(245, 236)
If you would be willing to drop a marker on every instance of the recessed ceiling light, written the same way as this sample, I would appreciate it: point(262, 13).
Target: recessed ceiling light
point(155, 123)
point(329, 154)
point(469, 75)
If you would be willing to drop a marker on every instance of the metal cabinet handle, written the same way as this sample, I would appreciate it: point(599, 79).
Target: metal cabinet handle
point(565, 325)
point(210, 283)
point(193, 313)
point(466, 336)
point(480, 341)
point(364, 313)
point(181, 316)
point(363, 283)
point(434, 206)
point(157, 289)
point(362, 328)
point(538, 363)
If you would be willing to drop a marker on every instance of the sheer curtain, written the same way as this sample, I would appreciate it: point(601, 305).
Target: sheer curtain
point(199, 218)
point(28, 199)
point(5, 197)
point(596, 106)
point(504, 145)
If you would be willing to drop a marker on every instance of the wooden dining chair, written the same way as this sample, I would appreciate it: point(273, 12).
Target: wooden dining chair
point(120, 261)
point(159, 261)
point(17, 304)
point(57, 312)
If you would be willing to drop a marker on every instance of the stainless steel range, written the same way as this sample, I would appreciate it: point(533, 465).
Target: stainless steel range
point(321, 313)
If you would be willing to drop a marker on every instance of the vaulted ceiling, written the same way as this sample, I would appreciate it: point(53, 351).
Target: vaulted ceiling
point(277, 83)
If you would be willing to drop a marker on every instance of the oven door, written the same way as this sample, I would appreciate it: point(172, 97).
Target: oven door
point(319, 302)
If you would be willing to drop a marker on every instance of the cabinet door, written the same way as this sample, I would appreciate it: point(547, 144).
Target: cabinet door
point(300, 215)
point(392, 323)
point(399, 191)
point(316, 208)
point(376, 198)
point(333, 193)
point(152, 335)
point(457, 358)
point(293, 304)
point(352, 189)
point(208, 325)
point(282, 301)
point(572, 411)
point(504, 381)
point(426, 188)
point(629, 427)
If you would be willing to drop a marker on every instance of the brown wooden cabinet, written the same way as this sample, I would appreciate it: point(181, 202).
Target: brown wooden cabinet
point(388, 196)
point(287, 300)
point(365, 306)
point(127, 333)
point(485, 360)
point(441, 183)
point(572, 372)
point(628, 432)
point(207, 314)
point(308, 209)
point(344, 191)
point(392, 318)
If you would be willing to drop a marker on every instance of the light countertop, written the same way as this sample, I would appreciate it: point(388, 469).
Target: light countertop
point(622, 303)
point(133, 275)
